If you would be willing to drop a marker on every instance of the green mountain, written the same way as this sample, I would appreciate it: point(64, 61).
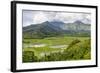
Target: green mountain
point(56, 28)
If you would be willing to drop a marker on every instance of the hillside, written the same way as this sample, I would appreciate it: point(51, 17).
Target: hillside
point(56, 28)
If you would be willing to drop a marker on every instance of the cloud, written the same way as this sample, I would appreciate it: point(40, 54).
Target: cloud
point(37, 17)
point(71, 17)
point(27, 17)
point(42, 16)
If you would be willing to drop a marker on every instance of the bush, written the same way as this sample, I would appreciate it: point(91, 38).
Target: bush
point(28, 56)
point(79, 51)
point(73, 43)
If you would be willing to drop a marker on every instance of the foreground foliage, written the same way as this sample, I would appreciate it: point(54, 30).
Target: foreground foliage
point(77, 50)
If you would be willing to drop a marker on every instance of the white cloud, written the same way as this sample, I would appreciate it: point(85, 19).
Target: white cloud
point(71, 17)
point(39, 17)
point(36, 17)
point(27, 17)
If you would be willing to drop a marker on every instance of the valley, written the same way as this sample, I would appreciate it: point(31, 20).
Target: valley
point(56, 41)
point(52, 45)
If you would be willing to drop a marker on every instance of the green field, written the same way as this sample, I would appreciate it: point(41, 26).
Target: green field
point(55, 40)
point(56, 49)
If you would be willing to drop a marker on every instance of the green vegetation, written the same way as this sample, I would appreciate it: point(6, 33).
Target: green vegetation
point(28, 56)
point(56, 41)
point(78, 48)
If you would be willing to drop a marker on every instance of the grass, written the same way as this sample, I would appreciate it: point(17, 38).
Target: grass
point(55, 40)
point(39, 50)
point(50, 41)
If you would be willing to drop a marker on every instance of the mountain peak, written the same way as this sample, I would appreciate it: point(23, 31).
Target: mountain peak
point(55, 21)
point(59, 22)
point(78, 22)
point(46, 22)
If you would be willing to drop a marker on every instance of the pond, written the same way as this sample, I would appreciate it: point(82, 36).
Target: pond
point(59, 46)
point(34, 45)
point(43, 45)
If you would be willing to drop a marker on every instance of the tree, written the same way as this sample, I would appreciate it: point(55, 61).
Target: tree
point(28, 56)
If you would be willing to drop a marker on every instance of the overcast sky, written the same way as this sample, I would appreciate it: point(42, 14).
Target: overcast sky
point(36, 17)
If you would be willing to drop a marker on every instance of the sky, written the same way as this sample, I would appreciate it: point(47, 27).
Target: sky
point(36, 17)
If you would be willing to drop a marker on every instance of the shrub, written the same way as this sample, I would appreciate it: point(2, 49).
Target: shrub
point(28, 56)
point(73, 43)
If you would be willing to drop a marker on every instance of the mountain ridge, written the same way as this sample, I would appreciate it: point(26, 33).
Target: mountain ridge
point(56, 28)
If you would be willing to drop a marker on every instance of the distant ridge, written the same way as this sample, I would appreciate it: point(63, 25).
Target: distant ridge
point(56, 28)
